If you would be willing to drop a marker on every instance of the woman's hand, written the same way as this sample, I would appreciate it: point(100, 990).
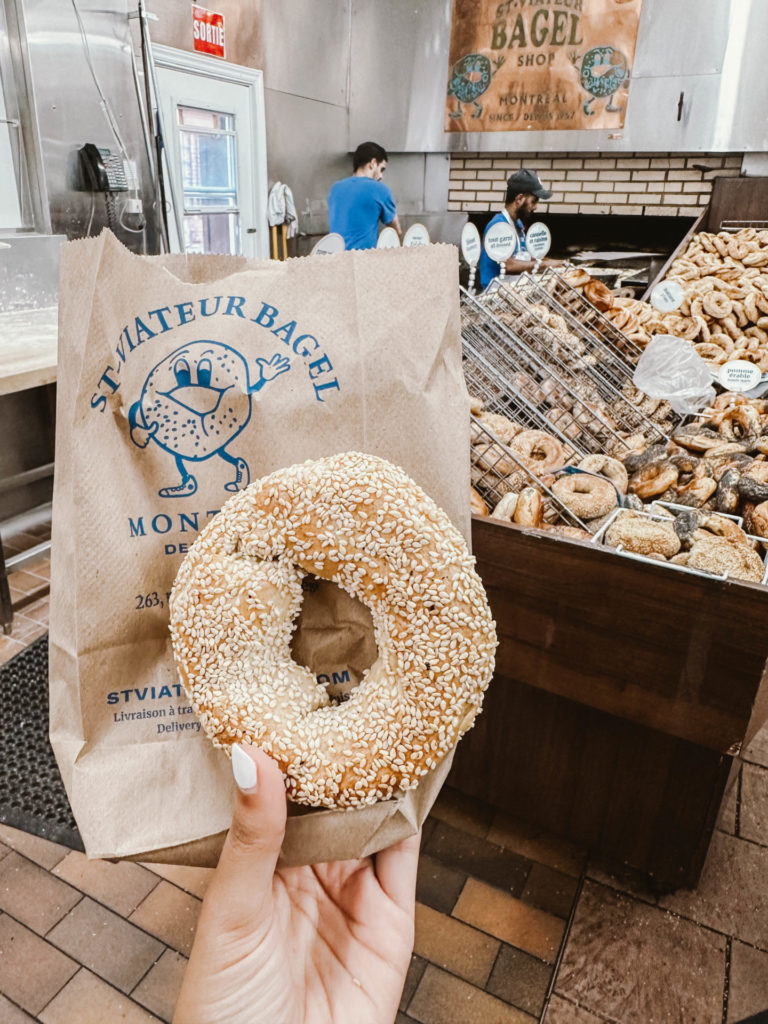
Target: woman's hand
point(326, 944)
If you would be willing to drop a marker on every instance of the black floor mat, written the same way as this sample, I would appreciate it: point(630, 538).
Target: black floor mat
point(32, 795)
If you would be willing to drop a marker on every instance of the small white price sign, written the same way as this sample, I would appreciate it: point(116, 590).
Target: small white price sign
point(739, 375)
point(667, 296)
point(500, 241)
point(538, 240)
point(388, 239)
point(328, 245)
point(470, 244)
point(416, 234)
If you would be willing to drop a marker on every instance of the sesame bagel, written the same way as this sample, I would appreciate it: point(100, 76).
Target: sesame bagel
point(362, 523)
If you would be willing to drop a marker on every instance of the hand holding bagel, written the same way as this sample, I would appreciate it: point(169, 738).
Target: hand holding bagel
point(312, 945)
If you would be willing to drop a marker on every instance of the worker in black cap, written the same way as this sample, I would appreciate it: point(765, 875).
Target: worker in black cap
point(524, 190)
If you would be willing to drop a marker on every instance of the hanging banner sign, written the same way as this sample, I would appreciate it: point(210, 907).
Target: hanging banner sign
point(208, 31)
point(533, 65)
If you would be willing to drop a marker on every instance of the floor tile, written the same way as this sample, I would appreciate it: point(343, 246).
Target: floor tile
point(758, 749)
point(550, 890)
point(158, 990)
point(732, 895)
point(39, 610)
point(31, 970)
point(753, 810)
point(416, 970)
point(109, 946)
point(520, 979)
point(171, 915)
point(25, 629)
point(23, 581)
point(10, 1014)
point(41, 851)
point(87, 999)
point(438, 885)
point(458, 948)
point(120, 886)
point(537, 844)
point(443, 999)
point(194, 880)
point(4, 850)
point(478, 857)
point(619, 950)
point(559, 1011)
point(748, 988)
point(463, 812)
point(510, 920)
point(9, 647)
point(726, 818)
point(32, 895)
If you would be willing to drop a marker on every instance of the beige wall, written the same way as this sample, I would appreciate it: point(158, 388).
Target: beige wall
point(665, 184)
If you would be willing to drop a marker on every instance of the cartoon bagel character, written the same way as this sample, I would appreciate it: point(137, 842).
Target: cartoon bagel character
point(187, 407)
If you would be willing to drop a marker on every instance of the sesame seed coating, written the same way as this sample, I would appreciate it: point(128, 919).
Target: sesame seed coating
point(362, 523)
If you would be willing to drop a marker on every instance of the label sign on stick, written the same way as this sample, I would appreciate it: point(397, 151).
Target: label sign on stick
point(416, 234)
point(388, 239)
point(500, 241)
point(667, 296)
point(740, 375)
point(470, 244)
point(328, 245)
point(538, 240)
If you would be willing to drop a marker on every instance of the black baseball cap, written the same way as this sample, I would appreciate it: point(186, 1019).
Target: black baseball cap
point(524, 181)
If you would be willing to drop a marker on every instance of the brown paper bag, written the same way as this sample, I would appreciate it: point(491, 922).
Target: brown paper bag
point(181, 379)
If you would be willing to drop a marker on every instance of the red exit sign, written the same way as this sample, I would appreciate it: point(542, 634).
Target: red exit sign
point(208, 31)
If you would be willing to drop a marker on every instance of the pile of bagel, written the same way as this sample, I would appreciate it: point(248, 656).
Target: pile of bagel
point(630, 316)
point(725, 309)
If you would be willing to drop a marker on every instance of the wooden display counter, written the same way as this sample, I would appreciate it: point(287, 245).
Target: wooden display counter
point(622, 692)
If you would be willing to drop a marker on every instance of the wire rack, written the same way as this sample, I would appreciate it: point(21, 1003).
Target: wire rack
point(514, 351)
point(497, 469)
point(570, 300)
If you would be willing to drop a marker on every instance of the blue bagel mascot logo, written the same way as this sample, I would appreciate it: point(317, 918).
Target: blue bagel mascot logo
point(187, 407)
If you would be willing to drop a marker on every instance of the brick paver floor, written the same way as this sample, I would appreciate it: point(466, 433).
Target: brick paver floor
point(513, 925)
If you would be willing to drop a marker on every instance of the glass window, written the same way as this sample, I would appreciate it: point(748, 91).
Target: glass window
point(208, 150)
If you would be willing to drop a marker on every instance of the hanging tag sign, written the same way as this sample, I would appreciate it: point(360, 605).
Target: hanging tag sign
point(667, 296)
point(388, 239)
point(739, 375)
point(500, 241)
point(328, 245)
point(208, 31)
point(538, 240)
point(416, 234)
point(470, 244)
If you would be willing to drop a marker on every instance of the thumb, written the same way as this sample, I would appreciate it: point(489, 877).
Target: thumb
point(242, 885)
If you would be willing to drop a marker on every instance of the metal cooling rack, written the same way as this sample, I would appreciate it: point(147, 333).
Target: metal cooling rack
point(569, 397)
point(493, 467)
point(572, 301)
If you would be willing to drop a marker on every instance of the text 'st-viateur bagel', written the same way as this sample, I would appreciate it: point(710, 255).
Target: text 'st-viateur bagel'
point(361, 522)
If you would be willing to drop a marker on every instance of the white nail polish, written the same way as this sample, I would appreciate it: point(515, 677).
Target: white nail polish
point(244, 769)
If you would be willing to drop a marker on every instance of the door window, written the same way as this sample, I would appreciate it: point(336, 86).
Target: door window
point(208, 152)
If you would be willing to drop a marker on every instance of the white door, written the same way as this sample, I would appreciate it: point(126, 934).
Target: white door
point(212, 116)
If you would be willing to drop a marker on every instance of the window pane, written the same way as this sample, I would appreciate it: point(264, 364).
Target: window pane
point(210, 119)
point(210, 201)
point(212, 232)
point(208, 162)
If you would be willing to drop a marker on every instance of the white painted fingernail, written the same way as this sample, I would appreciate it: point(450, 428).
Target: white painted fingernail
point(244, 770)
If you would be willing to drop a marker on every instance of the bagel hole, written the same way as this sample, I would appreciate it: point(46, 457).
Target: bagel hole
point(333, 637)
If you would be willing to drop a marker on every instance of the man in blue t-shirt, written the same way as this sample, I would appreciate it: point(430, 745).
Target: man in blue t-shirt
point(524, 190)
point(357, 204)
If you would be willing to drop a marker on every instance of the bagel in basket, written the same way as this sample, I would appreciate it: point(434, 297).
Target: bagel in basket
point(363, 523)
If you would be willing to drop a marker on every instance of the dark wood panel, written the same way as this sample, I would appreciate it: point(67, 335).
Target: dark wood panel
point(633, 796)
point(737, 199)
point(676, 652)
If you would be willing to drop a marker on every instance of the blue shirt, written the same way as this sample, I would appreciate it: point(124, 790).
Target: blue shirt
point(355, 207)
point(488, 268)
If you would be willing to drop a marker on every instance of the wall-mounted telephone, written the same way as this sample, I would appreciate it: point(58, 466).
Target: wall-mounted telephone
point(103, 169)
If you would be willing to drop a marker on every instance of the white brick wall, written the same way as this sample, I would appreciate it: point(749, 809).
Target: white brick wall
point(662, 184)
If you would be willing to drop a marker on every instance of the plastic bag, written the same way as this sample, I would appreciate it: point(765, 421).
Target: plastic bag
point(672, 369)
